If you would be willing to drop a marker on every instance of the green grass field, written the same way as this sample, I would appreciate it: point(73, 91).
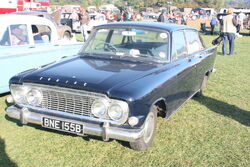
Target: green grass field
point(210, 131)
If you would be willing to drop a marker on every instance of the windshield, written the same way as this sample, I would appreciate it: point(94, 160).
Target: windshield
point(132, 42)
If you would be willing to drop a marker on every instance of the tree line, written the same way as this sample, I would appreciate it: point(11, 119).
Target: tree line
point(145, 3)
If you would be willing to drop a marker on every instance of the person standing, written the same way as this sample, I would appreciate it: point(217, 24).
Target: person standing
point(162, 16)
point(74, 16)
point(184, 19)
point(241, 17)
point(228, 29)
point(85, 22)
point(213, 23)
point(125, 15)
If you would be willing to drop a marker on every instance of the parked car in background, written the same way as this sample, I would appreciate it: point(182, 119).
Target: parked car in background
point(126, 74)
point(64, 31)
point(151, 17)
point(75, 25)
point(95, 20)
point(91, 9)
point(28, 42)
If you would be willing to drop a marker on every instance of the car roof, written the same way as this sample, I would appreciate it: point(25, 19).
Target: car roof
point(33, 12)
point(155, 25)
point(18, 19)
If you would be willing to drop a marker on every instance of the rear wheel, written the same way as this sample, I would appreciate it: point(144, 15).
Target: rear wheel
point(146, 140)
point(203, 85)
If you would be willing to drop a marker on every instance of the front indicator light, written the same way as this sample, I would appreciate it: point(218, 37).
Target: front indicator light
point(133, 121)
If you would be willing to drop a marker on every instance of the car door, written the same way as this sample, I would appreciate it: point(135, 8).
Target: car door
point(16, 44)
point(201, 56)
point(184, 72)
point(196, 50)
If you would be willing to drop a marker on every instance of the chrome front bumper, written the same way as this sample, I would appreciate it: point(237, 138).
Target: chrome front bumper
point(105, 131)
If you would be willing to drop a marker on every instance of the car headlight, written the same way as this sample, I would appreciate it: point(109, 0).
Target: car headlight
point(115, 112)
point(118, 111)
point(34, 97)
point(99, 108)
point(19, 93)
point(110, 109)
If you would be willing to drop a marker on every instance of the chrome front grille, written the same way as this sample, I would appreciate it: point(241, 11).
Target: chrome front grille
point(75, 104)
point(67, 100)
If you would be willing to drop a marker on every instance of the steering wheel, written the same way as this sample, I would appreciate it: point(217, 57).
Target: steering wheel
point(107, 46)
point(150, 52)
point(110, 46)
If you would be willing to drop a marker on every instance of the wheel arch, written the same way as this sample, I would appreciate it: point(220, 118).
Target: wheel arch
point(161, 106)
point(207, 73)
point(67, 31)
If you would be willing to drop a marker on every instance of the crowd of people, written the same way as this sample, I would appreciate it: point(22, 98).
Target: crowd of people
point(229, 23)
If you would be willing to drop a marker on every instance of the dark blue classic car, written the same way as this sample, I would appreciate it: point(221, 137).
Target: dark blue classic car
point(125, 76)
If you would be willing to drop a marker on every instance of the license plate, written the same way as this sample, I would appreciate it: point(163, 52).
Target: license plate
point(62, 126)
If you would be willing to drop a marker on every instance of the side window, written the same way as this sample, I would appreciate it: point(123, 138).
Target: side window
point(5, 37)
point(193, 39)
point(179, 48)
point(19, 34)
point(41, 34)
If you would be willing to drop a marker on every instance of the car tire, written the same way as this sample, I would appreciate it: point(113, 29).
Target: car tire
point(66, 35)
point(146, 140)
point(203, 85)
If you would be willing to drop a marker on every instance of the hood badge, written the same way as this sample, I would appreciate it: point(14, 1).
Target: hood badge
point(67, 81)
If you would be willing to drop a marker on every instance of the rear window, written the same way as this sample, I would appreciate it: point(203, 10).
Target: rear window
point(41, 34)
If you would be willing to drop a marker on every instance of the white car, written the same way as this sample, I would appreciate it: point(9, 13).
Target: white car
point(96, 19)
point(151, 17)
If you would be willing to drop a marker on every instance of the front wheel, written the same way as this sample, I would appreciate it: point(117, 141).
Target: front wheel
point(146, 140)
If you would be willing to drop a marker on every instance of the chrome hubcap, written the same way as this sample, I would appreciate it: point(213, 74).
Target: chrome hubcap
point(149, 128)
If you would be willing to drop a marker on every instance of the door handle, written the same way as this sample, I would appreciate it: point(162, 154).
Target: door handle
point(200, 55)
point(189, 59)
